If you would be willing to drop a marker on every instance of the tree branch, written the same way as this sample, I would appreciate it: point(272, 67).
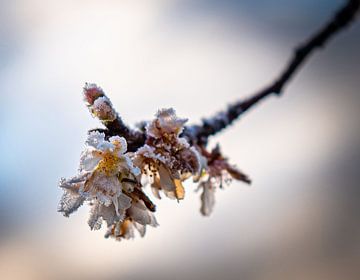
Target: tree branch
point(200, 133)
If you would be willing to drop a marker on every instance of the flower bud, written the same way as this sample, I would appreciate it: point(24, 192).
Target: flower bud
point(102, 108)
point(91, 93)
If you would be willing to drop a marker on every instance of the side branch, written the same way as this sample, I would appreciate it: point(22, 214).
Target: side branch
point(101, 107)
point(200, 133)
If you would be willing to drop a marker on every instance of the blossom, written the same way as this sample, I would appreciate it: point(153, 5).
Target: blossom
point(167, 159)
point(216, 172)
point(107, 179)
point(166, 124)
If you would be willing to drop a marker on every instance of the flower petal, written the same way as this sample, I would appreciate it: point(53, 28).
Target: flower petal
point(207, 198)
point(70, 202)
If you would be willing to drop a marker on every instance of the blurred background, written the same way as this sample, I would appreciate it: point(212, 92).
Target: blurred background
point(300, 217)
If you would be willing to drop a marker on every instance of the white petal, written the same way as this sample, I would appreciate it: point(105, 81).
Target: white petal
point(70, 202)
point(129, 233)
point(140, 228)
point(120, 143)
point(95, 138)
point(95, 220)
point(108, 214)
point(165, 179)
point(139, 213)
point(124, 201)
point(105, 146)
point(88, 161)
point(207, 198)
point(155, 192)
point(129, 165)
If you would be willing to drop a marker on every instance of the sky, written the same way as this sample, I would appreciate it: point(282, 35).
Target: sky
point(299, 218)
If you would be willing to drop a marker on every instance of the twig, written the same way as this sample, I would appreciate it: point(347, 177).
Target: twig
point(211, 126)
point(199, 134)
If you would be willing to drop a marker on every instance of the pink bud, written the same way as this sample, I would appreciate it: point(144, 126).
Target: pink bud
point(92, 92)
point(102, 108)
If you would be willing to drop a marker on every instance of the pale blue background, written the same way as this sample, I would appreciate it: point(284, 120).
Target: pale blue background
point(299, 219)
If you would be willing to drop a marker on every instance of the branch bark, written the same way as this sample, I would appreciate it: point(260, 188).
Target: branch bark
point(200, 133)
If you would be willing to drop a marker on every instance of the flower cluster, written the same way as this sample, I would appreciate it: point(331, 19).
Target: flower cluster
point(113, 180)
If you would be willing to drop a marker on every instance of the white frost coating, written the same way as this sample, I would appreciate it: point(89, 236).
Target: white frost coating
point(103, 109)
point(166, 121)
point(120, 142)
point(95, 138)
point(70, 202)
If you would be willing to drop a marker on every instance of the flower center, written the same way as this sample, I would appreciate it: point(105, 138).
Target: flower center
point(109, 164)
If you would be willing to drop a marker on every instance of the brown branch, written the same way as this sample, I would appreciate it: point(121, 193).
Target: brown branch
point(200, 133)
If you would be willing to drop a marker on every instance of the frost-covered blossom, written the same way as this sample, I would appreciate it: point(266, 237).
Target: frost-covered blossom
point(216, 172)
point(107, 179)
point(167, 159)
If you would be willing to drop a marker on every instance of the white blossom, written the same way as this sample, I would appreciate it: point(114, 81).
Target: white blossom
point(166, 158)
point(103, 164)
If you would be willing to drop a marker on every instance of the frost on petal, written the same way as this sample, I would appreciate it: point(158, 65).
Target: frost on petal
point(140, 214)
point(140, 228)
point(102, 187)
point(124, 201)
point(147, 152)
point(95, 138)
point(171, 186)
point(70, 202)
point(167, 122)
point(95, 220)
point(106, 146)
point(103, 109)
point(156, 187)
point(88, 161)
point(130, 165)
point(109, 213)
point(207, 198)
point(119, 143)
point(166, 182)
